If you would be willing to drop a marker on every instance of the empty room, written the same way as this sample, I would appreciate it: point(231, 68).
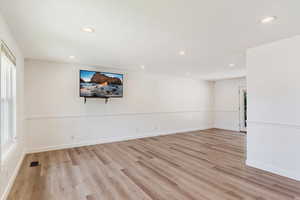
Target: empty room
point(149, 100)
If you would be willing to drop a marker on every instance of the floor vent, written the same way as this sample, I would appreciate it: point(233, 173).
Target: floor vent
point(34, 164)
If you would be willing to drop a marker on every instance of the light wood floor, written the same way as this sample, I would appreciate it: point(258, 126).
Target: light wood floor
point(198, 165)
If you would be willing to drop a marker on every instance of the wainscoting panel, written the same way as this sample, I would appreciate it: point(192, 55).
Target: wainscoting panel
point(64, 131)
point(277, 149)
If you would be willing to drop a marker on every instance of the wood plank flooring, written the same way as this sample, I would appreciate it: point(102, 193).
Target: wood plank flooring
point(208, 165)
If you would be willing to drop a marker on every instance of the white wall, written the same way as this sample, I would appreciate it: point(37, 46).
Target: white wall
point(12, 159)
point(226, 103)
point(274, 107)
point(152, 104)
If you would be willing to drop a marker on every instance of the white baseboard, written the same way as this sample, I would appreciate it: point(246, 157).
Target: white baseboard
point(270, 168)
point(13, 177)
point(229, 128)
point(109, 140)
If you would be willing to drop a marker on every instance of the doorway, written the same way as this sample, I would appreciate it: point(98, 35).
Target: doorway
point(243, 109)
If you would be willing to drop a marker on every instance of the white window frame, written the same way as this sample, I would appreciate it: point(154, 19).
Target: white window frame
point(6, 148)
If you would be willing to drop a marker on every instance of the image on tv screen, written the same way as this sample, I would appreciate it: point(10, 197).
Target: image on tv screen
point(100, 84)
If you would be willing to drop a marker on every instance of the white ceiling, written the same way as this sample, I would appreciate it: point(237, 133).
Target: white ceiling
point(130, 33)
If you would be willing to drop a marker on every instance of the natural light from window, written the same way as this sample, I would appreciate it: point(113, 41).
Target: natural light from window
point(8, 99)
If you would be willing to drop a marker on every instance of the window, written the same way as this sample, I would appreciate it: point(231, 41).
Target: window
point(8, 98)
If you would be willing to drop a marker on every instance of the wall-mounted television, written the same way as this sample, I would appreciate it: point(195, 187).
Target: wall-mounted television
point(100, 84)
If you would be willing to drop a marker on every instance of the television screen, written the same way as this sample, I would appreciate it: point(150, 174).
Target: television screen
point(100, 84)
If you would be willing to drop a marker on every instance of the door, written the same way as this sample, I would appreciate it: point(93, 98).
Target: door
point(243, 109)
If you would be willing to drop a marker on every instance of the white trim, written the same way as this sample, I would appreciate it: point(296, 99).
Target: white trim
point(271, 168)
point(63, 116)
point(227, 127)
point(13, 177)
point(109, 140)
point(6, 50)
point(285, 125)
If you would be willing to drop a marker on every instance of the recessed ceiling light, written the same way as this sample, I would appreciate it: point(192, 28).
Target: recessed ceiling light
point(269, 19)
point(88, 29)
point(182, 53)
point(71, 57)
point(232, 65)
point(142, 66)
